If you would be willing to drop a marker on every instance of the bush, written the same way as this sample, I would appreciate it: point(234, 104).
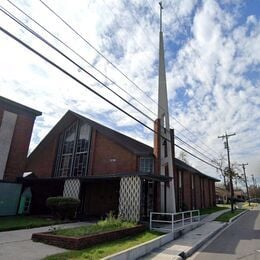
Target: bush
point(63, 207)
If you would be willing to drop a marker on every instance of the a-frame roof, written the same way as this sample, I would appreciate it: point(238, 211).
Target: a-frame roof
point(127, 142)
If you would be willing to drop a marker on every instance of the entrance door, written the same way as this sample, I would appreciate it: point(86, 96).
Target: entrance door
point(101, 197)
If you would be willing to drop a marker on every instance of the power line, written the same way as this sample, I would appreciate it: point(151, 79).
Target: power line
point(80, 56)
point(137, 21)
point(90, 89)
point(69, 59)
point(92, 46)
point(114, 66)
point(193, 148)
point(102, 74)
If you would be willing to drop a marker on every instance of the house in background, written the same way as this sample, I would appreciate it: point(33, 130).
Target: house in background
point(222, 195)
point(16, 125)
point(108, 171)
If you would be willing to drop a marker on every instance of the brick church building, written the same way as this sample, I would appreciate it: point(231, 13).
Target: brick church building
point(108, 171)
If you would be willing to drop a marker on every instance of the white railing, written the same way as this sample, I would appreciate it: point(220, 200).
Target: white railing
point(171, 222)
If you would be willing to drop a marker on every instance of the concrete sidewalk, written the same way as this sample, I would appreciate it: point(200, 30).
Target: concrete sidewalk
point(17, 244)
point(191, 241)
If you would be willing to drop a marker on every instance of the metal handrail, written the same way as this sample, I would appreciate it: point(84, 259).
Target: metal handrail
point(183, 220)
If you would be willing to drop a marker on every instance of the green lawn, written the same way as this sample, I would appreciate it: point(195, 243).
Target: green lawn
point(105, 249)
point(214, 209)
point(101, 226)
point(22, 222)
point(228, 215)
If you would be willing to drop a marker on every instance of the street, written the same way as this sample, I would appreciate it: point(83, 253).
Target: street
point(241, 240)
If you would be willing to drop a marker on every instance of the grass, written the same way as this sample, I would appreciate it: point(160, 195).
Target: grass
point(105, 249)
point(214, 209)
point(228, 215)
point(246, 205)
point(25, 222)
point(109, 224)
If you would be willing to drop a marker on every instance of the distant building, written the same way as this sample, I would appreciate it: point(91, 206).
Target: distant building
point(16, 124)
point(222, 195)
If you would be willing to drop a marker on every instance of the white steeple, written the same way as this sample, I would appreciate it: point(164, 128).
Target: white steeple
point(166, 153)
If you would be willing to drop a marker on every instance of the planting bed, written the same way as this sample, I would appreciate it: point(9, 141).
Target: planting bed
point(85, 241)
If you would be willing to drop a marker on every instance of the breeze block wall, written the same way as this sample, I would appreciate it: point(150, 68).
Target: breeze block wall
point(130, 198)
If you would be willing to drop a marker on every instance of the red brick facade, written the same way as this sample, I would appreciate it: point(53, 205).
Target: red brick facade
point(42, 162)
point(108, 157)
point(16, 162)
point(112, 154)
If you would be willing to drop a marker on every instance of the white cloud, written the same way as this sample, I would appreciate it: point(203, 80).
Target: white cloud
point(216, 64)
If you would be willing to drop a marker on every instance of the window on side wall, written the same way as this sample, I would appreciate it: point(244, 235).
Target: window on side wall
point(146, 164)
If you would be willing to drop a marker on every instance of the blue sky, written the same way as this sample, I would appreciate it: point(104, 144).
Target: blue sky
point(212, 51)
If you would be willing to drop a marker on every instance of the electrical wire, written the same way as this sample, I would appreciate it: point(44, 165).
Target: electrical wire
point(90, 89)
point(103, 56)
point(98, 70)
point(69, 59)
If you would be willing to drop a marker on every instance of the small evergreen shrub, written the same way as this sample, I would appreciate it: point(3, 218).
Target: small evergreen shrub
point(63, 207)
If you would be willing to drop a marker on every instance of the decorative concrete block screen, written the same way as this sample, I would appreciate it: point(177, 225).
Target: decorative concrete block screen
point(129, 199)
point(71, 188)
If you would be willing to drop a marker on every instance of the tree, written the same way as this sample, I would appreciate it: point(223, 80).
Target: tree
point(183, 157)
point(235, 173)
point(221, 169)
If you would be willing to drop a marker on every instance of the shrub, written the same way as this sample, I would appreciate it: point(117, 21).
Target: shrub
point(63, 207)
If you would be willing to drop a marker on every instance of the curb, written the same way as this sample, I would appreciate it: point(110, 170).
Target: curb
point(142, 249)
point(147, 247)
point(201, 242)
point(211, 235)
point(237, 216)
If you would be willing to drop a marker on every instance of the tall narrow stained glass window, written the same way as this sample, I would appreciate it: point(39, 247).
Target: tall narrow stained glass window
point(72, 155)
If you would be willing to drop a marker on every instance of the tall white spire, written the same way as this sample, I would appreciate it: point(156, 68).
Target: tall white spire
point(166, 153)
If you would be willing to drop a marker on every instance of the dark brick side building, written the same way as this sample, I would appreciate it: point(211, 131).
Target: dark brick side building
point(16, 124)
point(108, 171)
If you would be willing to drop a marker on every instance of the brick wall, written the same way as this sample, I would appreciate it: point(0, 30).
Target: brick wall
point(206, 193)
point(197, 191)
point(187, 190)
point(16, 162)
point(42, 162)
point(108, 157)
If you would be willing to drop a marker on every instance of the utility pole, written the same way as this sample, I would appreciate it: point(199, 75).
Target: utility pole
point(254, 183)
point(226, 136)
point(244, 169)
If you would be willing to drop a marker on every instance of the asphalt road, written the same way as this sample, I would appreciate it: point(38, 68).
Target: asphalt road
point(241, 240)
